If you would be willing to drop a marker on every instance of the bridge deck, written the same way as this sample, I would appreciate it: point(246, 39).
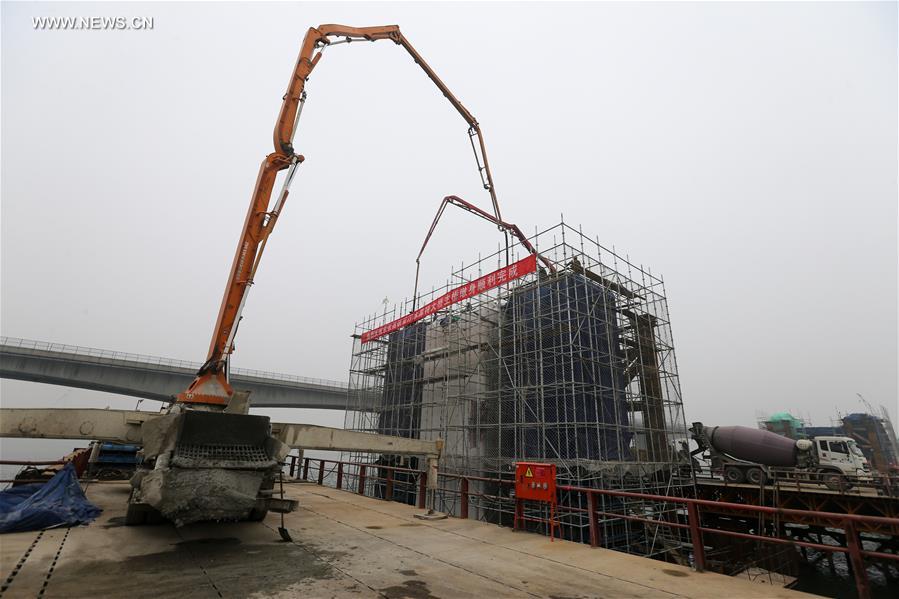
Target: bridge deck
point(796, 487)
point(344, 545)
point(809, 496)
point(155, 378)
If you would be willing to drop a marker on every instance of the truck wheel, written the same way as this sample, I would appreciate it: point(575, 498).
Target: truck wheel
point(154, 517)
point(832, 480)
point(755, 476)
point(257, 514)
point(135, 515)
point(733, 475)
point(138, 513)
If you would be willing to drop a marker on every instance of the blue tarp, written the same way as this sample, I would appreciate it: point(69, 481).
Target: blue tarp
point(58, 502)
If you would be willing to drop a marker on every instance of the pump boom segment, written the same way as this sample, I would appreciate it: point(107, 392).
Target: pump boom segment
point(211, 384)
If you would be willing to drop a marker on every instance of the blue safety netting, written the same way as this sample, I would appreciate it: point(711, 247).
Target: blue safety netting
point(59, 502)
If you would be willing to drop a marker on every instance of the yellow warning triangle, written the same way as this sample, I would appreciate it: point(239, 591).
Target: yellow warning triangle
point(529, 474)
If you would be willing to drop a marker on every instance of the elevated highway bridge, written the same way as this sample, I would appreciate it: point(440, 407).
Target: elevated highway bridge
point(154, 378)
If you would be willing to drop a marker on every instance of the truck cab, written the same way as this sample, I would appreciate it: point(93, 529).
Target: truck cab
point(841, 454)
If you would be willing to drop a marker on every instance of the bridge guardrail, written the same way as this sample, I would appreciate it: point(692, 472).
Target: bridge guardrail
point(691, 523)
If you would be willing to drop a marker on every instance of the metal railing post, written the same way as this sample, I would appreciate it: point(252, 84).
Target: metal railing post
point(293, 466)
point(696, 537)
point(857, 561)
point(463, 499)
point(339, 475)
point(362, 469)
point(321, 472)
point(422, 490)
point(591, 514)
point(305, 468)
point(388, 491)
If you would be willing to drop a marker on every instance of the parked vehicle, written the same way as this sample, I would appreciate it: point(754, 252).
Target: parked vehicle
point(742, 454)
point(112, 461)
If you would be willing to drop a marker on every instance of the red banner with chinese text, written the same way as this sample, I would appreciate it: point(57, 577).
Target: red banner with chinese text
point(480, 285)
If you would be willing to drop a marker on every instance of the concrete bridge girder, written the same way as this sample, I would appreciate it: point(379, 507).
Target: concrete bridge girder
point(154, 381)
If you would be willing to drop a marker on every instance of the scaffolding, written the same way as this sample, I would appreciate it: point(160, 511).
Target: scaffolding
point(572, 364)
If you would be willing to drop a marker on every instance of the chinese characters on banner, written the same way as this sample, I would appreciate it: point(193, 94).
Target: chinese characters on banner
point(463, 292)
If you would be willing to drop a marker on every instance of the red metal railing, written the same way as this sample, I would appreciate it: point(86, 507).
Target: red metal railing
point(694, 509)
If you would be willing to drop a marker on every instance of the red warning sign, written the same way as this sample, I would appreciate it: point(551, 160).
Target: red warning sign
point(499, 277)
point(535, 481)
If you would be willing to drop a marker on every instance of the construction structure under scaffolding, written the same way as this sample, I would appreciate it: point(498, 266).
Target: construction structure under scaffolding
point(569, 360)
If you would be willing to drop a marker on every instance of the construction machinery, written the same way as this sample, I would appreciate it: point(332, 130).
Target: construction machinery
point(742, 454)
point(207, 458)
point(211, 386)
point(112, 461)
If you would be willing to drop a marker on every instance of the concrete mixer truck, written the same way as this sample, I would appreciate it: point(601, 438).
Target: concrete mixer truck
point(742, 454)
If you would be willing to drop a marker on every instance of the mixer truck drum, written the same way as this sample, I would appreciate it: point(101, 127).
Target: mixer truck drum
point(754, 445)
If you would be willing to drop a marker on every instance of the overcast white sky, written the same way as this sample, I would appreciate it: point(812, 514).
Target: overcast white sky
point(745, 151)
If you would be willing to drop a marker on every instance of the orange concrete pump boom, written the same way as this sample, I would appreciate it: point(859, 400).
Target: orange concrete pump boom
point(211, 384)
